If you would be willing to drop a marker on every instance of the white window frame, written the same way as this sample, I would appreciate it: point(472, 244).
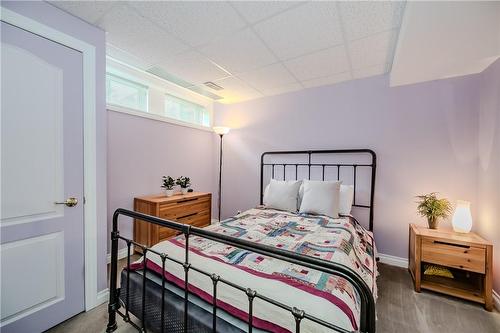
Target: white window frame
point(166, 96)
point(157, 89)
point(121, 78)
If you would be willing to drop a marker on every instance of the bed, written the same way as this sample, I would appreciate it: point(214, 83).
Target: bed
point(261, 270)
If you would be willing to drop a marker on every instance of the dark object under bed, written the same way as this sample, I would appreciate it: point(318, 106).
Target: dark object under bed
point(199, 319)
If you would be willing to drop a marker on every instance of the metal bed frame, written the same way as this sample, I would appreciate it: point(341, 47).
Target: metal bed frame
point(309, 154)
point(367, 313)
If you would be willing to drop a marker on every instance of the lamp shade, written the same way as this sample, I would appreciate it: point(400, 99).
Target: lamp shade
point(462, 218)
point(221, 130)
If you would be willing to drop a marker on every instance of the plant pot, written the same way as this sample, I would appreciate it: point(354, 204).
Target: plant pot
point(432, 222)
point(169, 192)
point(184, 190)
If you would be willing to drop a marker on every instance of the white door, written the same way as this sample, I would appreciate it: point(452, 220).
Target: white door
point(42, 243)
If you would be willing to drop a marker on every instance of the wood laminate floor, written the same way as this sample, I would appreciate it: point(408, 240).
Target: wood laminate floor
point(399, 310)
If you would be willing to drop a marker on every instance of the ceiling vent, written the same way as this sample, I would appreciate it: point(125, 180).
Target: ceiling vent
point(213, 86)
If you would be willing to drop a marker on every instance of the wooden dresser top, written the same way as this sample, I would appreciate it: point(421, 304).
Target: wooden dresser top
point(450, 235)
point(162, 198)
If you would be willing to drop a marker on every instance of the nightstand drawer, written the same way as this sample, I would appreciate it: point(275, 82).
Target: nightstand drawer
point(459, 256)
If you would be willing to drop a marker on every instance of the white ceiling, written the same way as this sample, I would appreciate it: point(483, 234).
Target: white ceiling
point(445, 39)
point(251, 49)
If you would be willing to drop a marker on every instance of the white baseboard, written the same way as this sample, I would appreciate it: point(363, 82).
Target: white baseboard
point(102, 296)
point(393, 261)
point(122, 253)
point(496, 300)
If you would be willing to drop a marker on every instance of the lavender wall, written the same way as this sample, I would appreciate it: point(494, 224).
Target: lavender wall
point(425, 136)
point(489, 163)
point(142, 150)
point(54, 17)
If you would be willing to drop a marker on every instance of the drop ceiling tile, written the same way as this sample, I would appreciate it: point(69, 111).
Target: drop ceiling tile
point(268, 77)
point(89, 11)
point(254, 11)
point(239, 52)
point(126, 57)
point(235, 90)
point(373, 50)
point(301, 30)
point(193, 67)
point(196, 22)
point(133, 33)
point(319, 64)
point(328, 80)
point(363, 18)
point(294, 86)
point(370, 71)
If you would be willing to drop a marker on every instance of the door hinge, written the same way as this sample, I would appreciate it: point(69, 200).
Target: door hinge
point(84, 200)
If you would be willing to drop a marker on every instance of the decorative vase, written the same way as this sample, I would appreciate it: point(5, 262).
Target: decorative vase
point(169, 192)
point(432, 222)
point(184, 190)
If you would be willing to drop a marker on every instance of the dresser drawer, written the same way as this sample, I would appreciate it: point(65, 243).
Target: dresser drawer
point(465, 257)
point(182, 208)
point(199, 219)
point(164, 233)
point(191, 208)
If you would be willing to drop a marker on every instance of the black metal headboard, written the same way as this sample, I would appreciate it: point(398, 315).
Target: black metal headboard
point(310, 163)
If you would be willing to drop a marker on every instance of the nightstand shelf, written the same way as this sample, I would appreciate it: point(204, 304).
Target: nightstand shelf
point(467, 256)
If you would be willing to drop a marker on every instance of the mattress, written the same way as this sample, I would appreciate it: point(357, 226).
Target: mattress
point(327, 297)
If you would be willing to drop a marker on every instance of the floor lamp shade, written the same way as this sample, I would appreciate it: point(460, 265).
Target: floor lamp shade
point(221, 130)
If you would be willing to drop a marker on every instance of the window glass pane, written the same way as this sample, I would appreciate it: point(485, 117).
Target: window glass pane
point(122, 92)
point(186, 111)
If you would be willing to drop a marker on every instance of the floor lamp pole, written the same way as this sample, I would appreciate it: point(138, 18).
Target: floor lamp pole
point(220, 173)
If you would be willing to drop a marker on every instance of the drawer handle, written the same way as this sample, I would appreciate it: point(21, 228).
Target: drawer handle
point(451, 244)
point(186, 216)
point(186, 200)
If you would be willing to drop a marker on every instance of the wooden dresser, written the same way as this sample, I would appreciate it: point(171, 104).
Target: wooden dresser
point(194, 208)
point(469, 257)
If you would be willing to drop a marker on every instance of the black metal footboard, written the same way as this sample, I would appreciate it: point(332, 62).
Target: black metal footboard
point(367, 319)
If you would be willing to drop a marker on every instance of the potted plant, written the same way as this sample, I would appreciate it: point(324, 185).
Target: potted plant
point(168, 185)
point(184, 183)
point(433, 208)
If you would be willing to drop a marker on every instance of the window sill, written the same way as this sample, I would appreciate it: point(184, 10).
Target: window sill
point(156, 117)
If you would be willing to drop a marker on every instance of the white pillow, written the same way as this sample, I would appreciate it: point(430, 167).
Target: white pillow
point(345, 198)
point(321, 197)
point(282, 195)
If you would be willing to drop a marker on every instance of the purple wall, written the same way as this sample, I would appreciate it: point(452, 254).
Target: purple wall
point(141, 151)
point(425, 136)
point(54, 17)
point(489, 163)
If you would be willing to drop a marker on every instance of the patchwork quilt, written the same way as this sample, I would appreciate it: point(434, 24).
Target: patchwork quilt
point(326, 296)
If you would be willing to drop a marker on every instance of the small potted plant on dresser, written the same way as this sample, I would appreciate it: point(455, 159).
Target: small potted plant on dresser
point(168, 185)
point(433, 208)
point(184, 183)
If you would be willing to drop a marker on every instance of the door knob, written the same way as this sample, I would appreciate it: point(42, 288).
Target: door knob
point(70, 202)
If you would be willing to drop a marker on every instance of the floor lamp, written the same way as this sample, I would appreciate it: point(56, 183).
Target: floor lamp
point(221, 131)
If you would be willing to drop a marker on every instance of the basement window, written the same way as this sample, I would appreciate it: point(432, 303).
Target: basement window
point(126, 93)
point(186, 111)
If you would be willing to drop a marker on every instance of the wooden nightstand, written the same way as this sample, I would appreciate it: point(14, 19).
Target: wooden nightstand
point(468, 256)
point(192, 208)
